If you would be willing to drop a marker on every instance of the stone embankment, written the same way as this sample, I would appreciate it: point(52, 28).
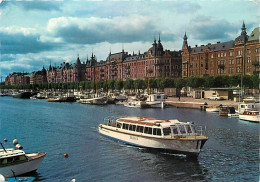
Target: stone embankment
point(188, 102)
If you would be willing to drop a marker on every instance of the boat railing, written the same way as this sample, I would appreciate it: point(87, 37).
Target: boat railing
point(110, 120)
point(201, 130)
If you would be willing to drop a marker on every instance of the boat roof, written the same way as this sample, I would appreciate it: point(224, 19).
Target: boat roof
point(149, 121)
point(10, 153)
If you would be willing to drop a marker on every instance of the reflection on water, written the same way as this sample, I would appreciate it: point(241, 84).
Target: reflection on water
point(230, 154)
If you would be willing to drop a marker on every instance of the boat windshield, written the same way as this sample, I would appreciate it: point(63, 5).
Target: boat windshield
point(179, 129)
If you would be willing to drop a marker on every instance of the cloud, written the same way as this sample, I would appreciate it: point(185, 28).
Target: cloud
point(34, 5)
point(207, 28)
point(95, 29)
point(20, 40)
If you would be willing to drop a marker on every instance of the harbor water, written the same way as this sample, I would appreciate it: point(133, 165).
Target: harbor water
point(230, 154)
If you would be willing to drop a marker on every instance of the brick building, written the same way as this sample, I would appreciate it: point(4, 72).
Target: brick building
point(38, 77)
point(154, 63)
point(17, 78)
point(239, 56)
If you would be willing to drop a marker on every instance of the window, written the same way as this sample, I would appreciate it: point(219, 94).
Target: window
point(118, 125)
point(231, 53)
point(248, 59)
point(175, 130)
point(140, 129)
point(248, 51)
point(257, 50)
point(211, 56)
point(248, 69)
point(188, 128)
point(239, 53)
point(238, 60)
point(125, 126)
point(167, 131)
point(157, 131)
point(182, 129)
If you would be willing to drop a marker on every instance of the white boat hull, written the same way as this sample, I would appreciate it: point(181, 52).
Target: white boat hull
point(250, 118)
point(21, 168)
point(185, 146)
point(155, 104)
point(212, 109)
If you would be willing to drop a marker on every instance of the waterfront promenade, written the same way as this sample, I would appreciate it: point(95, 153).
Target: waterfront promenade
point(189, 102)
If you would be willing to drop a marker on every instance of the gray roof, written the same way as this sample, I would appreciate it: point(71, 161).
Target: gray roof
point(134, 58)
point(117, 56)
point(214, 47)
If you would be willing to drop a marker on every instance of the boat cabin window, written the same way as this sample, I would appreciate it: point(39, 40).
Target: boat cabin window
point(118, 125)
point(167, 131)
point(3, 161)
point(175, 130)
point(125, 126)
point(182, 129)
point(243, 106)
point(188, 128)
point(140, 129)
point(132, 127)
point(157, 131)
point(148, 130)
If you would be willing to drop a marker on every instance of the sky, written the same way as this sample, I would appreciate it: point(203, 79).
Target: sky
point(38, 33)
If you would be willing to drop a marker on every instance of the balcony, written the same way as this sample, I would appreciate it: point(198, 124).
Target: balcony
point(255, 63)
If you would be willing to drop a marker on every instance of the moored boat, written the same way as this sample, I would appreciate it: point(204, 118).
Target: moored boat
point(167, 135)
point(22, 95)
point(15, 162)
point(212, 109)
point(253, 116)
point(155, 101)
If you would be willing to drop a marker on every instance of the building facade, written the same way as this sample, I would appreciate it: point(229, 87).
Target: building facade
point(17, 78)
point(154, 63)
point(38, 77)
point(239, 56)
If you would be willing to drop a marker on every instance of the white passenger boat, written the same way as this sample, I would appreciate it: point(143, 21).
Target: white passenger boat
point(250, 116)
point(167, 135)
point(14, 162)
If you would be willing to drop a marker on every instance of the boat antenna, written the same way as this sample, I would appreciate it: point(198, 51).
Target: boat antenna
point(3, 147)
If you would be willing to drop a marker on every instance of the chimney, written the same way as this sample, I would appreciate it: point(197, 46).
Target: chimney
point(196, 45)
point(218, 42)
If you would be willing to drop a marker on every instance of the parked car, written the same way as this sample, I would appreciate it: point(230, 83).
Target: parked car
point(215, 97)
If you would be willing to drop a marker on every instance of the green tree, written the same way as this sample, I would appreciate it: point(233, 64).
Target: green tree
point(111, 84)
point(180, 82)
point(119, 84)
point(234, 80)
point(129, 84)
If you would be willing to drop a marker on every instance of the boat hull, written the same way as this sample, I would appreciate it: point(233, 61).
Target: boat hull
point(23, 95)
point(190, 147)
point(22, 168)
point(250, 118)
